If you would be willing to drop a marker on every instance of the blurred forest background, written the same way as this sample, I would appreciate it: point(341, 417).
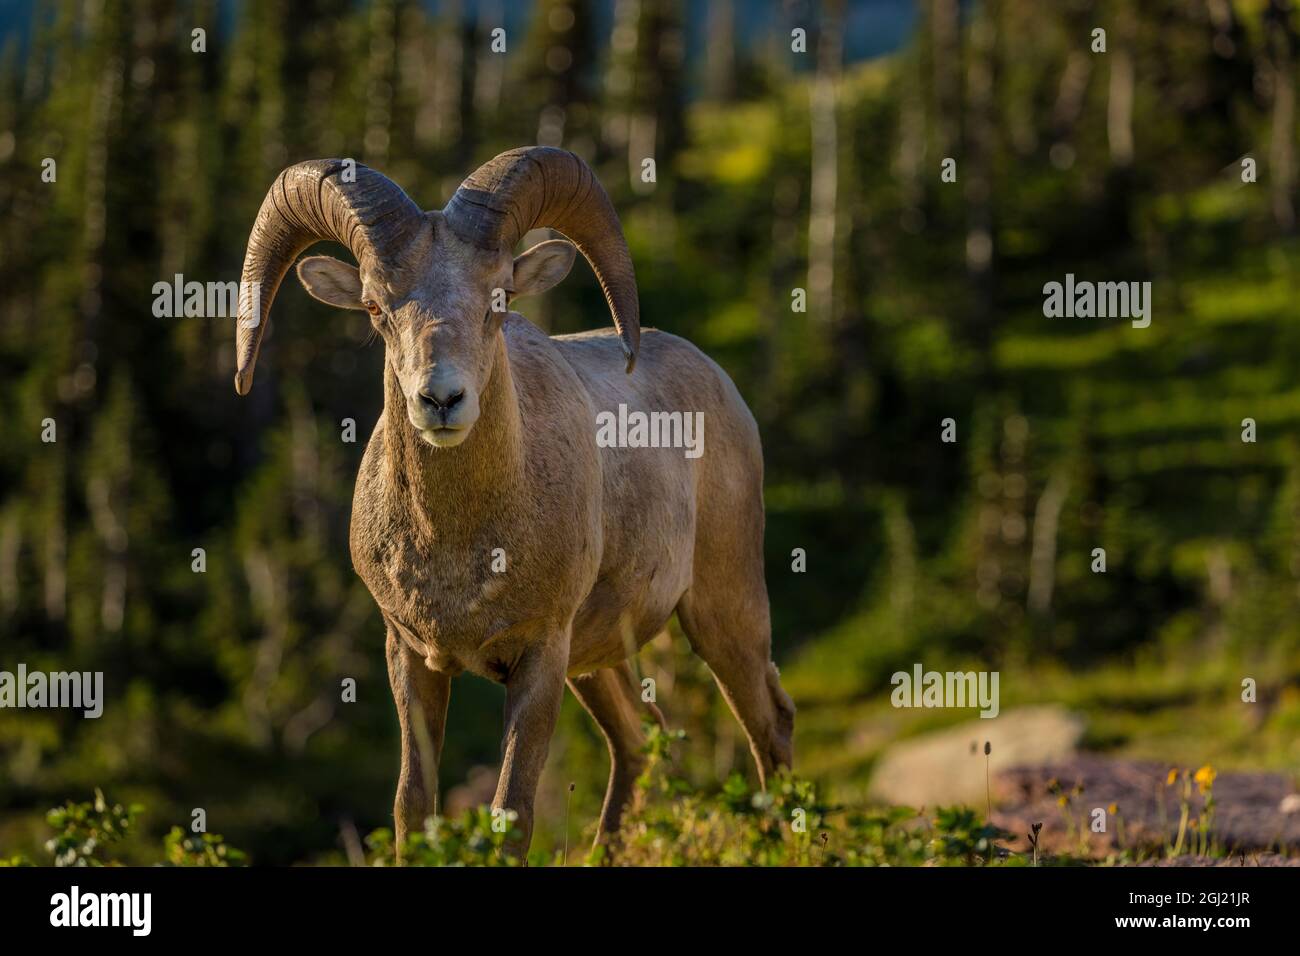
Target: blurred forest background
point(775, 170)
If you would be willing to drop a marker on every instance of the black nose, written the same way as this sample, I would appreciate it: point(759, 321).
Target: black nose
point(443, 403)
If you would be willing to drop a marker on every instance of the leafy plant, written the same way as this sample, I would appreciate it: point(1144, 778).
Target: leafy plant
point(93, 833)
point(199, 849)
point(87, 832)
point(475, 838)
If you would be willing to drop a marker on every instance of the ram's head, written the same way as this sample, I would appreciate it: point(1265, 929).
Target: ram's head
point(429, 279)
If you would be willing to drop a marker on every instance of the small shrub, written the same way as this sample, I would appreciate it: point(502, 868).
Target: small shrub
point(199, 849)
point(86, 833)
point(467, 840)
point(92, 834)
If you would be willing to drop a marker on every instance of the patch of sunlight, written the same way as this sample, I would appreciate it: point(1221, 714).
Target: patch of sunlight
point(1178, 456)
point(924, 349)
point(1221, 202)
point(803, 496)
point(735, 323)
point(873, 78)
point(1061, 351)
point(734, 145)
point(1235, 302)
point(1189, 413)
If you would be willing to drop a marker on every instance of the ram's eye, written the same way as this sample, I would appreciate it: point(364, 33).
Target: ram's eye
point(372, 307)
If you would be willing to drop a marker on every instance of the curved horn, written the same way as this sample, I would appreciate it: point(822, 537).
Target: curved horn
point(307, 203)
point(540, 186)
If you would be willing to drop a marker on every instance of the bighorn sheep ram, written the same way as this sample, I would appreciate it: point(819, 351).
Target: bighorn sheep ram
point(488, 441)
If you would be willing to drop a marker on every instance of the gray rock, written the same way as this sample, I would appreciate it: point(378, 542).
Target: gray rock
point(947, 766)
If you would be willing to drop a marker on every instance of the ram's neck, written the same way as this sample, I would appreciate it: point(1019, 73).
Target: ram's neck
point(452, 492)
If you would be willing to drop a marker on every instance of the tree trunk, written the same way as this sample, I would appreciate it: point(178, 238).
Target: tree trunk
point(825, 167)
point(1282, 146)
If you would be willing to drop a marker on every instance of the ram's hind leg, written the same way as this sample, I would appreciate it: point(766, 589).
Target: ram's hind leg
point(728, 626)
point(613, 699)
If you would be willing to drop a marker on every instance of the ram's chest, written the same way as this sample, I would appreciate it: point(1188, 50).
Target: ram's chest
point(462, 605)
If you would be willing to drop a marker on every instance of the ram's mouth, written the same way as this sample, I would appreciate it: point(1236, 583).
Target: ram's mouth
point(443, 436)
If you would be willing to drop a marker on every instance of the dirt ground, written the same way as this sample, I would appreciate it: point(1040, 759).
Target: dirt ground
point(1256, 818)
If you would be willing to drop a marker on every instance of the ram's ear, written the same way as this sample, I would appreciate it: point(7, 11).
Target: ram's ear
point(331, 281)
point(542, 266)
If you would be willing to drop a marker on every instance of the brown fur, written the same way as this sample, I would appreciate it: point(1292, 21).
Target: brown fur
point(602, 544)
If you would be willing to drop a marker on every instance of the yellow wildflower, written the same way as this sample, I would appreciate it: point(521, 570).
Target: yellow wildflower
point(1205, 778)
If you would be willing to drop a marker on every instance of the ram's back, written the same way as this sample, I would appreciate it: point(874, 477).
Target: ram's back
point(658, 500)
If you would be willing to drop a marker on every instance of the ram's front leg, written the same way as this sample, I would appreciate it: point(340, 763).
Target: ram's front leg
point(534, 690)
point(421, 696)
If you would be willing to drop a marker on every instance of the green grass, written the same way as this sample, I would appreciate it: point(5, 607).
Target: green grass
point(670, 823)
